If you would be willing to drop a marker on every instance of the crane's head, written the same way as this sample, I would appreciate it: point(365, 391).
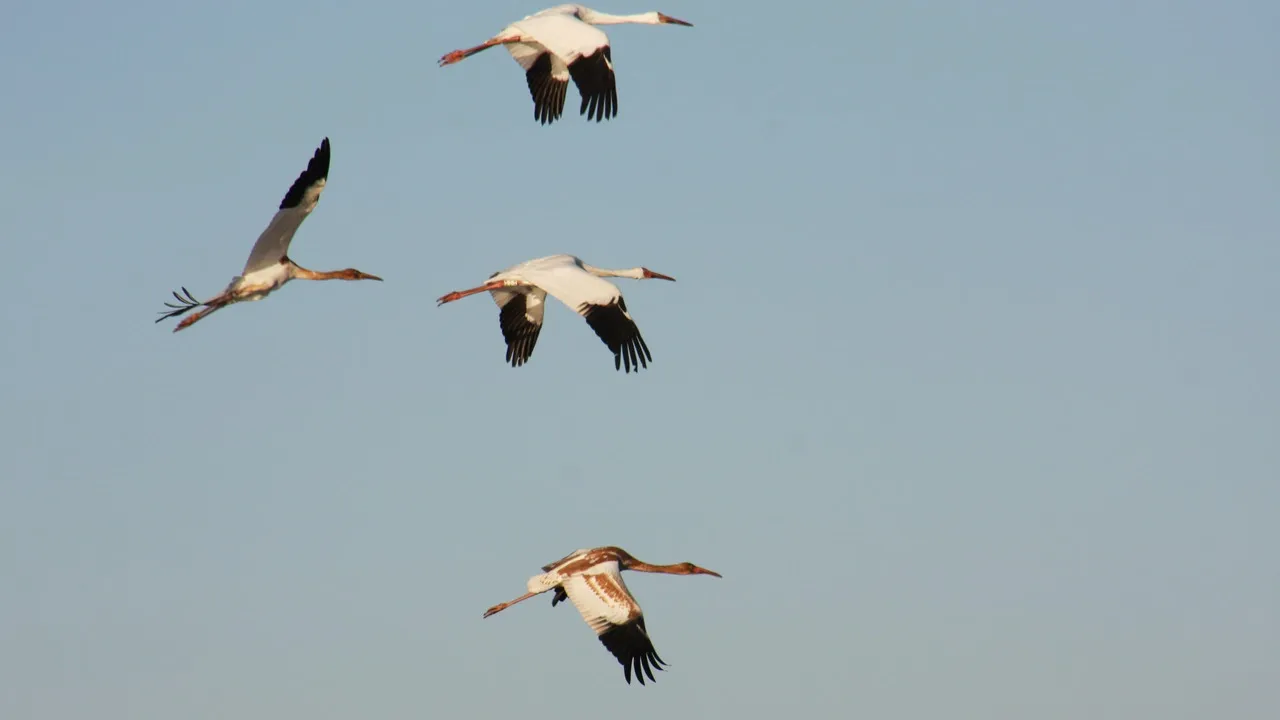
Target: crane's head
point(668, 20)
point(691, 569)
point(354, 274)
point(650, 275)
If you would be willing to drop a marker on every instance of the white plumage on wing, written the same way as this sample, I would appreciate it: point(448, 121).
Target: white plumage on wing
point(592, 581)
point(521, 290)
point(602, 597)
point(562, 43)
point(269, 267)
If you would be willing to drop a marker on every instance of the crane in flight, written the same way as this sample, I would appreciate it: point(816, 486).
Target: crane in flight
point(521, 290)
point(269, 266)
point(592, 581)
point(562, 43)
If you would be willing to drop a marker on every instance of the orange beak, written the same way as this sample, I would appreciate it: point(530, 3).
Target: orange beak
point(703, 571)
point(667, 19)
point(649, 274)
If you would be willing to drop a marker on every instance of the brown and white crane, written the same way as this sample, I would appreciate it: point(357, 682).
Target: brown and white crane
point(269, 266)
point(592, 581)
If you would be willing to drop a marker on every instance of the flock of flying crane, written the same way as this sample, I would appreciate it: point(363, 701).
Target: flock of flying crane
point(553, 46)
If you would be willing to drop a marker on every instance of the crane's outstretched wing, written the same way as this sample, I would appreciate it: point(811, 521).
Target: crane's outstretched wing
point(593, 74)
point(609, 609)
point(577, 50)
point(520, 316)
point(631, 645)
point(614, 325)
point(599, 302)
point(273, 243)
point(548, 79)
point(548, 82)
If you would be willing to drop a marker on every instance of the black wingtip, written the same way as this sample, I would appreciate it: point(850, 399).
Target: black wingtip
point(631, 645)
point(619, 333)
point(593, 74)
point(319, 163)
point(317, 170)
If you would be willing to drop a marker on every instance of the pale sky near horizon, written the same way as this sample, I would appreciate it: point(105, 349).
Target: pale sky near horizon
point(967, 384)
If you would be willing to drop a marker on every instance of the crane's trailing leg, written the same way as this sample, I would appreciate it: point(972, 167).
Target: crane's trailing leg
point(186, 303)
point(192, 319)
point(503, 606)
point(459, 294)
point(460, 55)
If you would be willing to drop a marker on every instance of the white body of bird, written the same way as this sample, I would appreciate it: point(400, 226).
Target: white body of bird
point(562, 43)
point(564, 35)
point(520, 292)
point(566, 278)
point(260, 283)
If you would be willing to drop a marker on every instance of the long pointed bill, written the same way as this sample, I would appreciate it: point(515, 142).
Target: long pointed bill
point(649, 274)
point(703, 571)
point(668, 20)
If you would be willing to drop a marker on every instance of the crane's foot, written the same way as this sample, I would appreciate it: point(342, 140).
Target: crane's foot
point(453, 57)
point(195, 317)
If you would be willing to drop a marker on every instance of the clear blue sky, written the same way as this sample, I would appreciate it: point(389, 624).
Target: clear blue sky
point(968, 385)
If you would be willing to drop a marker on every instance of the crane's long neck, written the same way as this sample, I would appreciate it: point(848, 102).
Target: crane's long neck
point(633, 273)
point(595, 17)
point(674, 569)
point(301, 273)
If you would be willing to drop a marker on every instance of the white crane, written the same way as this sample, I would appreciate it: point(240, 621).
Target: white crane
point(269, 266)
point(592, 581)
point(560, 43)
point(521, 290)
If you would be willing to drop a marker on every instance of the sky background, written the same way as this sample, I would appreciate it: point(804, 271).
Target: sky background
point(968, 384)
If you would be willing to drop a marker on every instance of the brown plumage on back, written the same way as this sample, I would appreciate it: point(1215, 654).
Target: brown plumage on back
point(592, 581)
